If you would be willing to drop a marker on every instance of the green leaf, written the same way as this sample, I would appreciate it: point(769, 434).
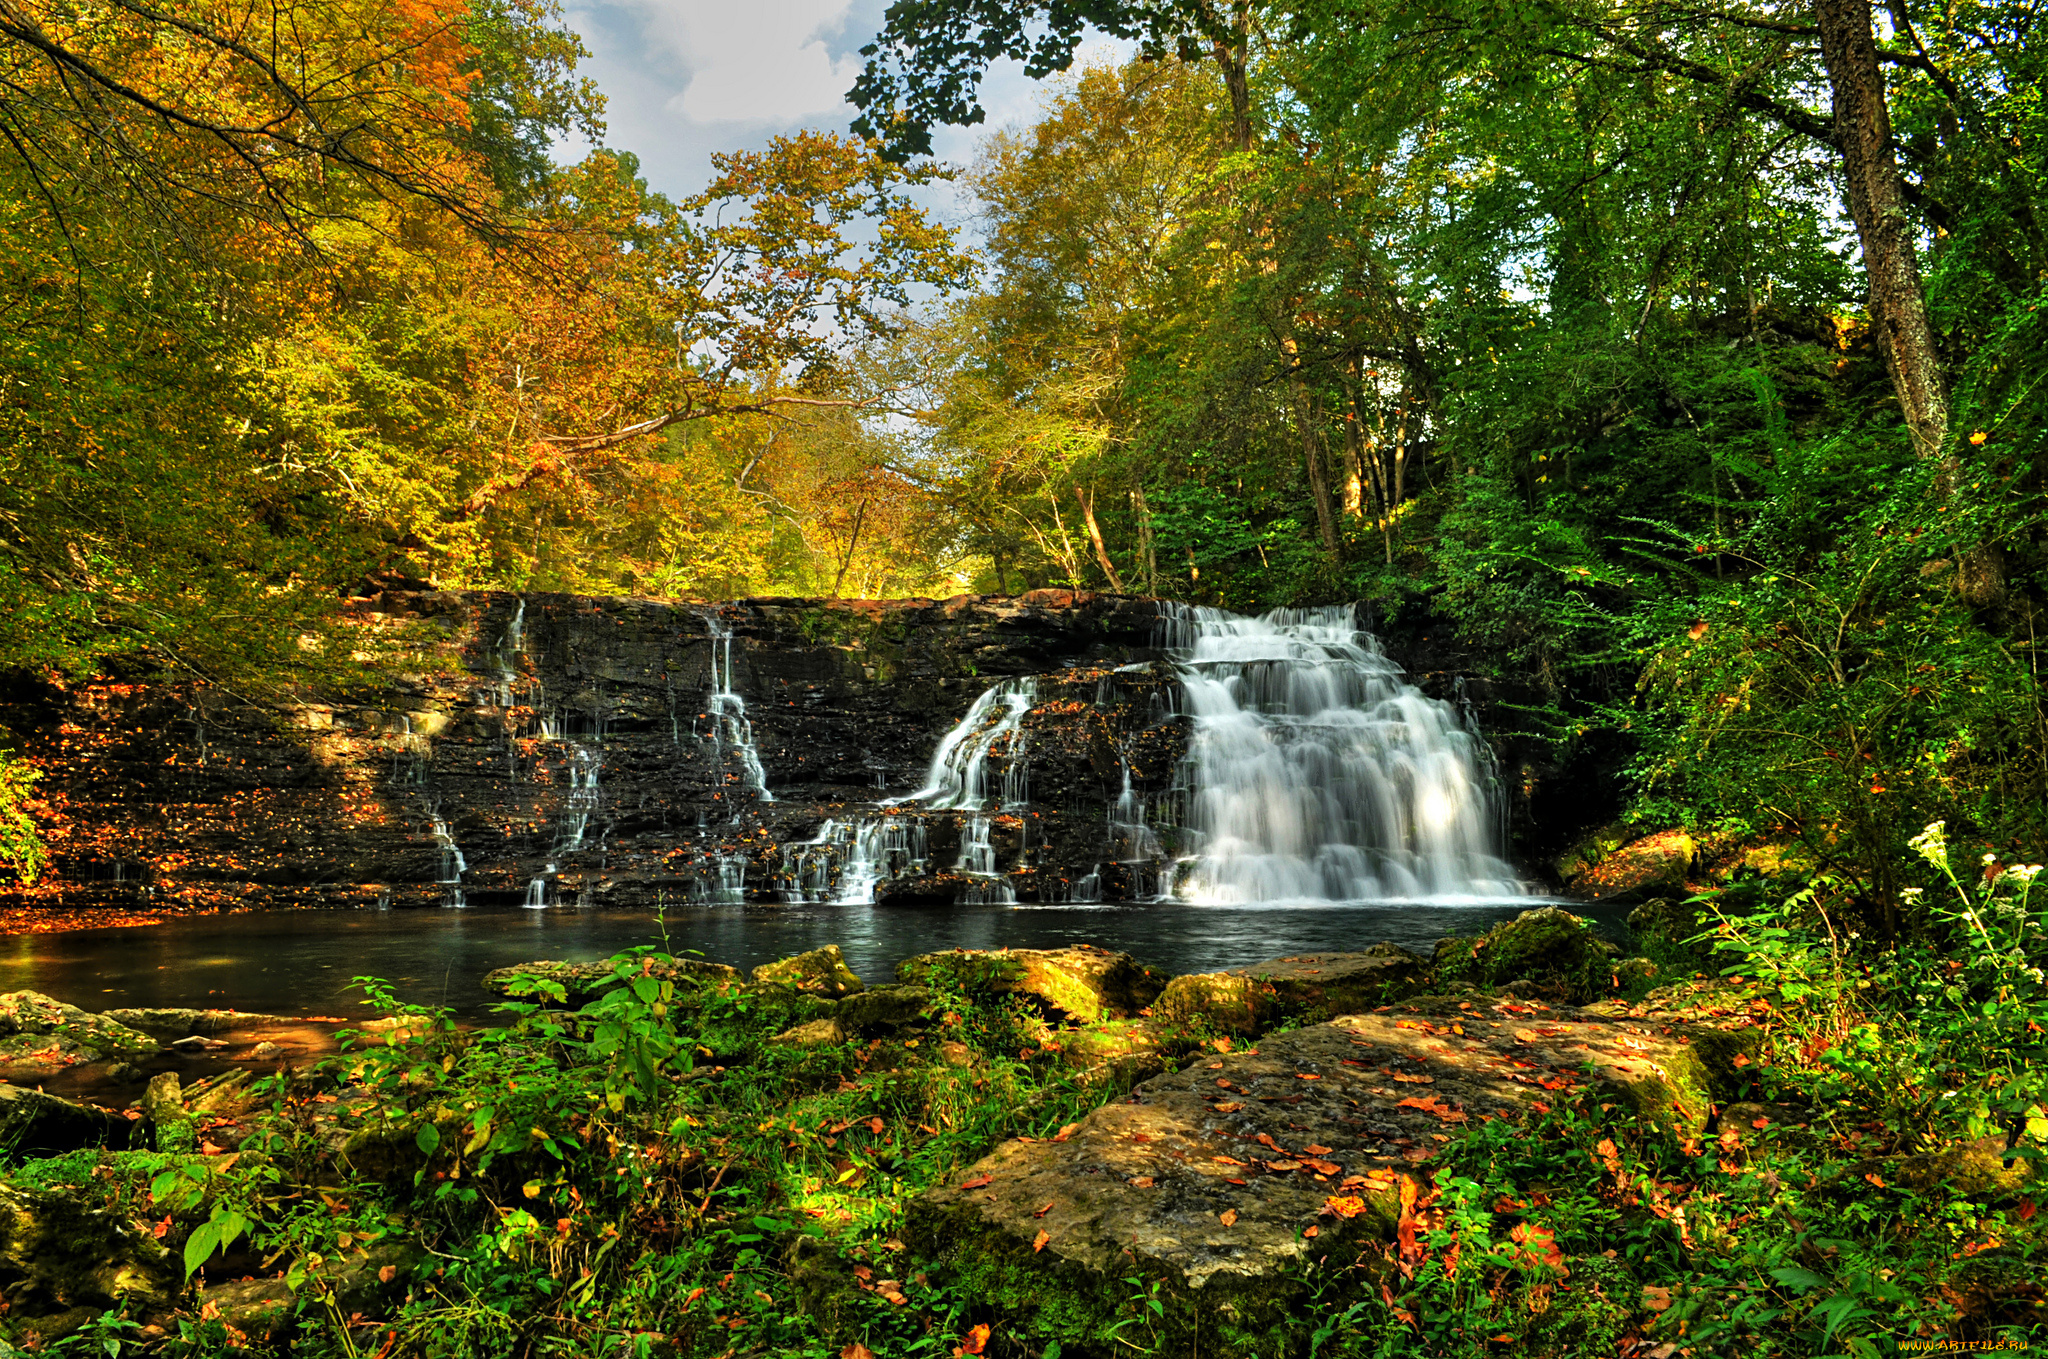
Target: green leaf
point(429, 1138)
point(1799, 1280)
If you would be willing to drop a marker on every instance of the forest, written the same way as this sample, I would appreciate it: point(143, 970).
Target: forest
point(1683, 363)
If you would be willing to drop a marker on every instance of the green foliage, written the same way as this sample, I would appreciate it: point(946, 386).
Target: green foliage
point(21, 847)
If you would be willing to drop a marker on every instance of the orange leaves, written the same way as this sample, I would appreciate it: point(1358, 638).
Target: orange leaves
point(1228, 1217)
point(1430, 1104)
point(978, 1182)
point(974, 1343)
point(1345, 1206)
point(1038, 1242)
point(1406, 1079)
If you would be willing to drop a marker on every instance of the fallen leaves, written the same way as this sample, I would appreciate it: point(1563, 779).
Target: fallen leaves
point(1414, 1080)
point(1537, 1247)
point(1141, 1182)
point(1230, 1106)
point(1043, 1211)
point(1038, 1242)
point(1228, 1217)
point(1430, 1104)
point(975, 1342)
point(979, 1181)
point(1344, 1206)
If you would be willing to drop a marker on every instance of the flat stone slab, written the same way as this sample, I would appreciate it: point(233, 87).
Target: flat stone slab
point(1214, 1173)
point(1079, 985)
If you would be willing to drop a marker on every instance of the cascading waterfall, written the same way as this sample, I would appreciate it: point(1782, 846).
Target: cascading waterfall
point(1319, 774)
point(958, 779)
point(537, 894)
point(583, 798)
point(730, 729)
point(453, 865)
point(509, 651)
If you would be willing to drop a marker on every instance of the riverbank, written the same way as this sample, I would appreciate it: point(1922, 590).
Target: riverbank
point(1021, 1153)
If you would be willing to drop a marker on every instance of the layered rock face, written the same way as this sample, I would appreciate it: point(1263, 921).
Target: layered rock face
point(556, 749)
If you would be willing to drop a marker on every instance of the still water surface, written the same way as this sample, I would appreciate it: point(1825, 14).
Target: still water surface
point(303, 962)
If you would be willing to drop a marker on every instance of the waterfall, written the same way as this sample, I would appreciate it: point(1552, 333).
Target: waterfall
point(727, 886)
point(1132, 843)
point(729, 725)
point(1320, 774)
point(537, 894)
point(958, 779)
point(977, 862)
point(453, 865)
point(507, 658)
point(583, 798)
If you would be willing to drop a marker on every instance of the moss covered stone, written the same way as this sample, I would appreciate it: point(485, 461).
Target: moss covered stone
point(1080, 985)
point(1548, 947)
point(820, 972)
point(1305, 986)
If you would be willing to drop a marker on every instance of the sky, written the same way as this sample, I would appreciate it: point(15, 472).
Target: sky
point(686, 78)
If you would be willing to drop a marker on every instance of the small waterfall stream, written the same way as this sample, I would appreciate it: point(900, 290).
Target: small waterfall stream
point(730, 729)
point(1320, 774)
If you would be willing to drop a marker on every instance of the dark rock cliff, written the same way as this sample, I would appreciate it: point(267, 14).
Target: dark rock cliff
point(581, 744)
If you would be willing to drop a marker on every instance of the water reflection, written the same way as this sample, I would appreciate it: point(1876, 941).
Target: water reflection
point(302, 962)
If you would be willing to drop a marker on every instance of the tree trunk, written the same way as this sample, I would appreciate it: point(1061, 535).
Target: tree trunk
point(1233, 58)
point(1877, 203)
point(1087, 499)
point(1148, 557)
point(1318, 475)
point(852, 545)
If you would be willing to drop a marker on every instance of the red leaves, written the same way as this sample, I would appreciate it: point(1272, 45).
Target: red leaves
point(978, 1181)
point(975, 1343)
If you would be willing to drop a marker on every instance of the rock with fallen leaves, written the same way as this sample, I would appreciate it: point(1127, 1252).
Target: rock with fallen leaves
point(1308, 985)
point(40, 1036)
point(1214, 1172)
point(1080, 985)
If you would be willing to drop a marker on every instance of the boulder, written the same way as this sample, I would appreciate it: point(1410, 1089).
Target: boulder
point(1639, 868)
point(883, 1009)
point(1079, 985)
point(819, 1033)
point(35, 1124)
point(821, 972)
point(40, 1036)
point(1309, 985)
point(583, 982)
point(1549, 947)
point(1665, 923)
point(1211, 1174)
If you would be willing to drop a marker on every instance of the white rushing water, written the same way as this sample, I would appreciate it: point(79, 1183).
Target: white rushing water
point(453, 865)
point(958, 778)
point(730, 729)
point(1320, 774)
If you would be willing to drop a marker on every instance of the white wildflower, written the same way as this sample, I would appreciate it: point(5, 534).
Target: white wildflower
point(1931, 844)
point(2023, 873)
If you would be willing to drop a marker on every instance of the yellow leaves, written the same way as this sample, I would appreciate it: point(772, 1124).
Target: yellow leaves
point(1344, 1205)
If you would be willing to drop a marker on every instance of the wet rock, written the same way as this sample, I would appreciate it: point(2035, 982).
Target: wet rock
point(1548, 947)
point(583, 982)
point(820, 972)
point(163, 1104)
point(225, 1097)
point(62, 1262)
point(266, 1051)
point(194, 1042)
point(957, 1054)
point(40, 1036)
point(168, 1022)
point(1309, 985)
point(35, 1124)
point(1078, 985)
point(1267, 1136)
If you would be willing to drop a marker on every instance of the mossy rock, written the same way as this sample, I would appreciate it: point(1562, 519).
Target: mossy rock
point(884, 1009)
point(1548, 947)
point(58, 1254)
point(1121, 1045)
point(40, 1036)
point(1640, 868)
point(1666, 923)
point(1309, 986)
point(820, 972)
point(1080, 985)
